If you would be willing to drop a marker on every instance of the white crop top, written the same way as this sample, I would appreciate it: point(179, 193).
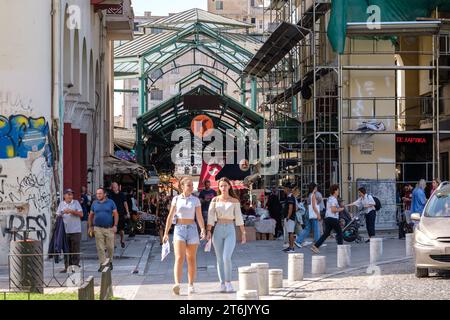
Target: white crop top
point(225, 210)
point(185, 207)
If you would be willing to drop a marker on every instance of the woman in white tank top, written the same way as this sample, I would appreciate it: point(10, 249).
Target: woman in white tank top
point(185, 207)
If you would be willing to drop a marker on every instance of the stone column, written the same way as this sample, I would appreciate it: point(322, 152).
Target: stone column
point(376, 249)
point(343, 256)
point(275, 278)
point(318, 265)
point(263, 278)
point(295, 267)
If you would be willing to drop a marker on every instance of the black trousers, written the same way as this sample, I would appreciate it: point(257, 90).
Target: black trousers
point(331, 224)
point(74, 240)
point(370, 222)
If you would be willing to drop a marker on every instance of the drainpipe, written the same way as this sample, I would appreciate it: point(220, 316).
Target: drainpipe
point(57, 100)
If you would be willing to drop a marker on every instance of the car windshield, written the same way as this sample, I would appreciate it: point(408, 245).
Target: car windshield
point(439, 206)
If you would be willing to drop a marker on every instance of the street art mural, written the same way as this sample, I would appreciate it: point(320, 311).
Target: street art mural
point(26, 176)
point(20, 134)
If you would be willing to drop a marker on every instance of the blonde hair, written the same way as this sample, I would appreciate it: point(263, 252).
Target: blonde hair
point(231, 192)
point(183, 181)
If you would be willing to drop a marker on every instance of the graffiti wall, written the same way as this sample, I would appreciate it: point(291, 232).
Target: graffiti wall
point(26, 162)
point(25, 180)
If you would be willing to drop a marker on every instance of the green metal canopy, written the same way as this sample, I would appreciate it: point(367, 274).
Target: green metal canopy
point(154, 128)
point(194, 16)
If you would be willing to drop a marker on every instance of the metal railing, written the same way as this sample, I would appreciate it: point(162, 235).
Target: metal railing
point(115, 11)
point(74, 276)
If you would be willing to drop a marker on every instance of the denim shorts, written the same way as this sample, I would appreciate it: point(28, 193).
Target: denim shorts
point(187, 233)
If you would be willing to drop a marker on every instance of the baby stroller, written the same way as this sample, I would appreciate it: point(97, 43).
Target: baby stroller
point(350, 227)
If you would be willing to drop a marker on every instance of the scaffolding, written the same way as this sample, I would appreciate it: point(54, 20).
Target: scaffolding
point(358, 109)
point(298, 103)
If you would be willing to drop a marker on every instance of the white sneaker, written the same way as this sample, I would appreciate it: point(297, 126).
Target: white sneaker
point(306, 243)
point(176, 289)
point(191, 290)
point(324, 245)
point(229, 287)
point(286, 245)
point(223, 287)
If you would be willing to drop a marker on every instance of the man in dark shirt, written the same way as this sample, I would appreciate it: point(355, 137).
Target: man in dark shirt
point(289, 214)
point(122, 209)
point(205, 196)
point(274, 207)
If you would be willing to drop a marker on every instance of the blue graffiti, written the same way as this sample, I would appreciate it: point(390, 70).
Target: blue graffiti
point(20, 134)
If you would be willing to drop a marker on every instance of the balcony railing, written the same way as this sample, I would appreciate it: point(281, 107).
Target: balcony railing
point(115, 11)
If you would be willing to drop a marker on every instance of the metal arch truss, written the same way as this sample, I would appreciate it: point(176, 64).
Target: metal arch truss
point(155, 127)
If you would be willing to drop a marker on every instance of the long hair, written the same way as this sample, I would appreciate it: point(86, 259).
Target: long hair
point(231, 192)
point(311, 187)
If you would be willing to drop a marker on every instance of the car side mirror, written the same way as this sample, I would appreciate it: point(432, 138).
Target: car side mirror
point(415, 216)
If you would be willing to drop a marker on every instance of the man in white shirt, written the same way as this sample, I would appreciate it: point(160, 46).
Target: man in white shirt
point(71, 212)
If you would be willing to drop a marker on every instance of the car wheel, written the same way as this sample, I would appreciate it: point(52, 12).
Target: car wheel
point(421, 272)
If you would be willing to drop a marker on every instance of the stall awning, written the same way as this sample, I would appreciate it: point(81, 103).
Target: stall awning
point(114, 165)
point(124, 138)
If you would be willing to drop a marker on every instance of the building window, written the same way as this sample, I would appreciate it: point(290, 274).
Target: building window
point(261, 25)
point(253, 20)
point(252, 3)
point(156, 94)
point(244, 19)
point(219, 5)
point(156, 30)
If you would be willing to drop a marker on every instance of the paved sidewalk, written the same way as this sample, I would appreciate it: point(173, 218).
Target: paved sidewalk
point(159, 280)
point(127, 275)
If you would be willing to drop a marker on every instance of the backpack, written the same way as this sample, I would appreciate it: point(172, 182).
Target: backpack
point(377, 203)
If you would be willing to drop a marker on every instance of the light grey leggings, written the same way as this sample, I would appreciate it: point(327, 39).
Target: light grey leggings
point(224, 241)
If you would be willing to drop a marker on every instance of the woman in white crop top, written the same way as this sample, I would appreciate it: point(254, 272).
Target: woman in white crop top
point(185, 207)
point(225, 212)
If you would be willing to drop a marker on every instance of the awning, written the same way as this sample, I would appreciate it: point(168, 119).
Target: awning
point(114, 165)
point(124, 138)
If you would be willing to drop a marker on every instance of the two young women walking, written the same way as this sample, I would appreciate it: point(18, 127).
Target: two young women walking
point(223, 214)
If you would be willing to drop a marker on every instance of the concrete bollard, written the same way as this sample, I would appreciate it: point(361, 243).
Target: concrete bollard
point(248, 278)
point(376, 249)
point(275, 278)
point(344, 256)
point(318, 264)
point(409, 244)
point(295, 267)
point(263, 278)
point(247, 295)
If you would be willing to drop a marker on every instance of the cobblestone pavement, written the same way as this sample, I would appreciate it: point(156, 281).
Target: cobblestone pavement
point(159, 277)
point(394, 281)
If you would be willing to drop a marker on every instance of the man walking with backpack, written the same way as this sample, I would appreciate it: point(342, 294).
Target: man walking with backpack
point(369, 205)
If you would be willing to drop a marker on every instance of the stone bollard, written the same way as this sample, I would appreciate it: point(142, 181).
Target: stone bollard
point(248, 278)
point(344, 256)
point(247, 295)
point(409, 244)
point(376, 249)
point(318, 265)
point(295, 267)
point(263, 278)
point(275, 278)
